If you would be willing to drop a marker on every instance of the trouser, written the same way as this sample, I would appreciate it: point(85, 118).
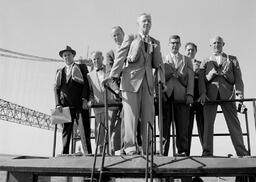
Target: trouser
point(230, 114)
point(84, 128)
point(115, 133)
point(181, 119)
point(137, 105)
point(196, 109)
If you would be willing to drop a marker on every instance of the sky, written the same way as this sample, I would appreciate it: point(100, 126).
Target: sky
point(44, 27)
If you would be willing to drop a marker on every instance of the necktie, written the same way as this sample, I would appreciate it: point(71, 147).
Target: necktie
point(146, 41)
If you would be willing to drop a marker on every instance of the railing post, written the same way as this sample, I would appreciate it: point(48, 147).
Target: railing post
point(54, 140)
point(107, 125)
point(254, 112)
point(160, 117)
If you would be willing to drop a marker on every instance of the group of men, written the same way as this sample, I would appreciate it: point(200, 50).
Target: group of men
point(187, 84)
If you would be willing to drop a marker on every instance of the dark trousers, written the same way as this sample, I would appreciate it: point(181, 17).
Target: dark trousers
point(196, 109)
point(181, 119)
point(84, 128)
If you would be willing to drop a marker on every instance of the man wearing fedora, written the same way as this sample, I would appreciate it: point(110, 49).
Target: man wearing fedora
point(72, 90)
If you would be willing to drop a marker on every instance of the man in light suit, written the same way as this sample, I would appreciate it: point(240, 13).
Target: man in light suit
point(95, 77)
point(180, 87)
point(197, 108)
point(223, 80)
point(136, 57)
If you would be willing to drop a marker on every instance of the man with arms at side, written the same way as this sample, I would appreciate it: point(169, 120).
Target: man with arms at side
point(180, 87)
point(223, 80)
point(197, 108)
point(72, 90)
point(136, 58)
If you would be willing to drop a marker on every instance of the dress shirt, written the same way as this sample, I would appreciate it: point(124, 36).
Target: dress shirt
point(68, 71)
point(175, 59)
point(218, 57)
point(101, 75)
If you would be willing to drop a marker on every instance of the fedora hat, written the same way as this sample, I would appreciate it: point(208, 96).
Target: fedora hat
point(69, 49)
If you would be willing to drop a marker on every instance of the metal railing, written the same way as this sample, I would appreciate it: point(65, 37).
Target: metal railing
point(219, 102)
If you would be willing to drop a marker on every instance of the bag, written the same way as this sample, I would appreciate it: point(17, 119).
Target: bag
point(58, 117)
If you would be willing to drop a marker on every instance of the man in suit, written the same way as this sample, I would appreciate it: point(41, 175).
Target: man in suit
point(72, 90)
point(95, 78)
point(197, 108)
point(117, 34)
point(180, 87)
point(136, 58)
point(223, 80)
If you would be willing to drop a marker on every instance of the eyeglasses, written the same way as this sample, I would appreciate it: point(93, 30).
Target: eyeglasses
point(177, 42)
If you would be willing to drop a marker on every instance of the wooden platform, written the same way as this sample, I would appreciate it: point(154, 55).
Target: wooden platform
point(132, 166)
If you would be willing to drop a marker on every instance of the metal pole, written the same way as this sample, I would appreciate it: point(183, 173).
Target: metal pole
point(173, 131)
point(247, 132)
point(107, 125)
point(160, 117)
point(54, 140)
point(254, 112)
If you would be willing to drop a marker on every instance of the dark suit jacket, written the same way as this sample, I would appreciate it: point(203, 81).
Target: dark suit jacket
point(70, 93)
point(228, 82)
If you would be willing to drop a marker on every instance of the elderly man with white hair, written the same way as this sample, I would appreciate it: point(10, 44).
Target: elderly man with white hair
point(137, 56)
point(222, 81)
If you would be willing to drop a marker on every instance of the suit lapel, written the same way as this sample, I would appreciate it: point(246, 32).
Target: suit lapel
point(214, 61)
point(143, 47)
point(223, 59)
point(180, 61)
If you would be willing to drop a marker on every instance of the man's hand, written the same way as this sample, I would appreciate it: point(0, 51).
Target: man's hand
point(164, 88)
point(85, 104)
point(189, 100)
point(240, 96)
point(106, 80)
point(59, 108)
point(202, 98)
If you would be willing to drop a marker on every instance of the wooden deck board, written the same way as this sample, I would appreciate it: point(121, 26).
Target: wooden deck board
point(133, 166)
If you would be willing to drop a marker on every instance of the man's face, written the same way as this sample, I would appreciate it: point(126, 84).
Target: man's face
point(175, 45)
point(144, 23)
point(191, 51)
point(217, 45)
point(97, 60)
point(68, 57)
point(118, 36)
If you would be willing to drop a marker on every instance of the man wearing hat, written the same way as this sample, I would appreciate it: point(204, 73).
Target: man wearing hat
point(222, 80)
point(179, 78)
point(72, 90)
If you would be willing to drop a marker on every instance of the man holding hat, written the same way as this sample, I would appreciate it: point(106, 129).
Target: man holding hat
point(222, 80)
point(72, 90)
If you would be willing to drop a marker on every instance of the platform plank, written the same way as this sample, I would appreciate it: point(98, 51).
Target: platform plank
point(133, 166)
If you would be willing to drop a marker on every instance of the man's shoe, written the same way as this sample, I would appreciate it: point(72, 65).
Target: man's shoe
point(182, 154)
point(132, 153)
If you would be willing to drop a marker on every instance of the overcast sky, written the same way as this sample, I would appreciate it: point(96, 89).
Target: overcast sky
point(44, 27)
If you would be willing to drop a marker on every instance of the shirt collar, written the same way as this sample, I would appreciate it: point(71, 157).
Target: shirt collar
point(217, 54)
point(174, 55)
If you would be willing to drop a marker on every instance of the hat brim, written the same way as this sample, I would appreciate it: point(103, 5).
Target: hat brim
point(62, 51)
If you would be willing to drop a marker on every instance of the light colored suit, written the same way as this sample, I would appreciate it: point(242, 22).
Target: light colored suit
point(99, 98)
point(137, 85)
point(180, 83)
point(222, 86)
